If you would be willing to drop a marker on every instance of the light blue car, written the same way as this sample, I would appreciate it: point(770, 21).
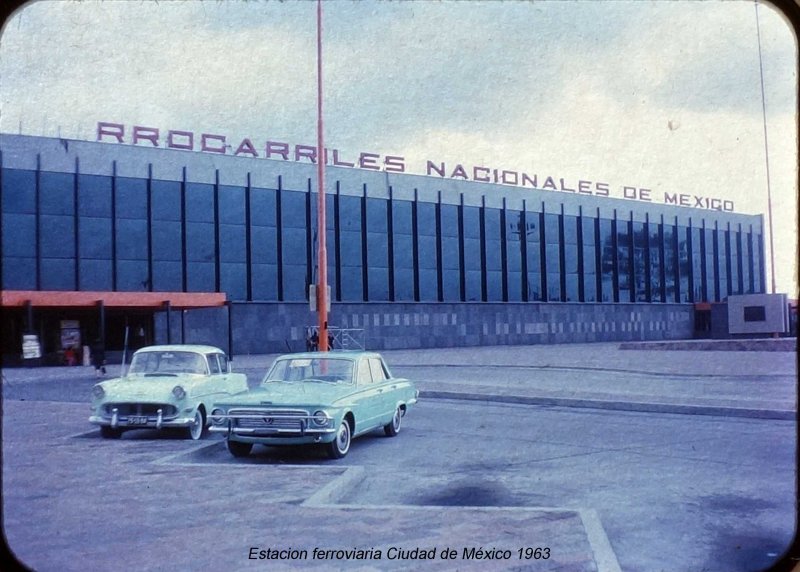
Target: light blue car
point(165, 387)
point(325, 398)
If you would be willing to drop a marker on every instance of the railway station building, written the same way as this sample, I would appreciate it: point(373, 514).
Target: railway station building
point(166, 240)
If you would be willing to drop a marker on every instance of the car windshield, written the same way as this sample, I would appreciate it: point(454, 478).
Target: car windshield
point(167, 363)
point(313, 370)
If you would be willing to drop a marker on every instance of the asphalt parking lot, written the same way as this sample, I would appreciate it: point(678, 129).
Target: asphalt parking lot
point(601, 489)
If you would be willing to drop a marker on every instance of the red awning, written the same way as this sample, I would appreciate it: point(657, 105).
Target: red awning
point(55, 299)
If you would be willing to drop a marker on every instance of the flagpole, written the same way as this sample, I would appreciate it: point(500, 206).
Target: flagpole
point(322, 254)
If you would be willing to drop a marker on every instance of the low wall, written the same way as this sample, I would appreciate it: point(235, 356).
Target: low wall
point(270, 327)
point(748, 345)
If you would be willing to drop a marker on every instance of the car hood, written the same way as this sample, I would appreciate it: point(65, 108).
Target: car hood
point(143, 387)
point(280, 393)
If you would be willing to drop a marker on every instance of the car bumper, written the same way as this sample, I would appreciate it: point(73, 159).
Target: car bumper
point(152, 422)
point(276, 436)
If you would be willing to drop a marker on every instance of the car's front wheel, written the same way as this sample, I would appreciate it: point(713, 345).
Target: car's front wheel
point(198, 429)
point(109, 432)
point(238, 449)
point(393, 427)
point(339, 447)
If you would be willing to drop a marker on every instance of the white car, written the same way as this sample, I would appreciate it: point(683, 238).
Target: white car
point(165, 387)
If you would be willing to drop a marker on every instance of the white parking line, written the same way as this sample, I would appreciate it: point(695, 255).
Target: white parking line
point(604, 555)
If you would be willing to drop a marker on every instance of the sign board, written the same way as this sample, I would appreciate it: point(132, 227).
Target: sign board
point(31, 348)
point(312, 298)
point(70, 334)
point(758, 314)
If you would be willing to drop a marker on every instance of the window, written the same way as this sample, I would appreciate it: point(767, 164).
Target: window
point(19, 191)
point(223, 362)
point(590, 258)
point(755, 313)
point(403, 249)
point(94, 196)
point(213, 364)
point(607, 260)
point(723, 263)
point(711, 275)
point(232, 242)
point(350, 248)
point(426, 252)
point(552, 257)
point(364, 373)
point(670, 263)
point(697, 266)
point(294, 255)
point(624, 260)
point(18, 229)
point(264, 244)
point(166, 200)
point(56, 193)
point(377, 250)
point(473, 265)
point(656, 243)
point(377, 370)
point(640, 262)
point(534, 255)
point(683, 264)
point(131, 198)
point(571, 258)
point(736, 261)
point(451, 264)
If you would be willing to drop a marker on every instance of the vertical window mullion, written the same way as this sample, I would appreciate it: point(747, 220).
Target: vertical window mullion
point(114, 226)
point(614, 258)
point(523, 237)
point(149, 215)
point(461, 255)
point(248, 237)
point(76, 223)
point(503, 253)
point(364, 260)
point(415, 243)
point(439, 264)
point(390, 242)
point(543, 255)
point(279, 236)
point(337, 243)
point(484, 284)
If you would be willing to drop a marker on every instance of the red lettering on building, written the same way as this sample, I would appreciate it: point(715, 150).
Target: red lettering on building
point(145, 134)
point(116, 130)
point(207, 138)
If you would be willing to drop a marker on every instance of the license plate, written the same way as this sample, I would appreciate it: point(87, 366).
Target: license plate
point(137, 420)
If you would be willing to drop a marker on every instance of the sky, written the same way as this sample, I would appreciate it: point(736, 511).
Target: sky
point(662, 95)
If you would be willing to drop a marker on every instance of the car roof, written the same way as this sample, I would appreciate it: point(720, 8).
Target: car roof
point(197, 348)
point(341, 354)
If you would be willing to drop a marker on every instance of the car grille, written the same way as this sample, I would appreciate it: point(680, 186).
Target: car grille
point(287, 419)
point(140, 409)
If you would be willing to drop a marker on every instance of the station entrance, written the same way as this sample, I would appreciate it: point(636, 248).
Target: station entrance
point(57, 328)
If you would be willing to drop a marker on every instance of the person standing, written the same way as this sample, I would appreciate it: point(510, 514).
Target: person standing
point(99, 357)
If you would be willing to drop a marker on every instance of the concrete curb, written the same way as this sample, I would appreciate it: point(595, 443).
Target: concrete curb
point(337, 488)
point(778, 414)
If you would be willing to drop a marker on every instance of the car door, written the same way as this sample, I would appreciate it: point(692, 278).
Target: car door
point(369, 405)
point(387, 390)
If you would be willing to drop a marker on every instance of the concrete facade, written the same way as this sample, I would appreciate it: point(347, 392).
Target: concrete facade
point(280, 327)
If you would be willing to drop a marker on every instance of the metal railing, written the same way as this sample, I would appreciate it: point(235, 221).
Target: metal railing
point(341, 338)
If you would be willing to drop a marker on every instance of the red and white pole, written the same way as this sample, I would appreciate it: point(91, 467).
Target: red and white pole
point(322, 254)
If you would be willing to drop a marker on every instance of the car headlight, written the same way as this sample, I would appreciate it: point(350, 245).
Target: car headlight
point(216, 416)
point(178, 392)
point(98, 392)
point(320, 418)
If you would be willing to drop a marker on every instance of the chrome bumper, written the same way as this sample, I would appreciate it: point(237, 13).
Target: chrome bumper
point(268, 431)
point(118, 422)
